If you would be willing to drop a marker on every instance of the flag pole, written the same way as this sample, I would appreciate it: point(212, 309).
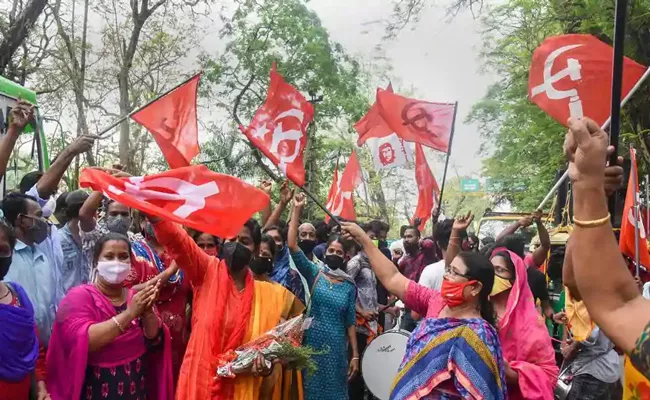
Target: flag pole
point(604, 126)
point(636, 215)
point(647, 202)
point(444, 174)
point(115, 123)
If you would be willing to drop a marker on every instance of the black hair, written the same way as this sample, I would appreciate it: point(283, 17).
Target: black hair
point(509, 263)
point(443, 233)
point(76, 201)
point(283, 233)
point(376, 226)
point(407, 227)
point(487, 249)
point(61, 202)
point(323, 230)
point(347, 244)
point(402, 229)
point(271, 243)
point(15, 204)
point(29, 180)
point(194, 234)
point(255, 229)
point(514, 243)
point(99, 246)
point(480, 268)
point(9, 232)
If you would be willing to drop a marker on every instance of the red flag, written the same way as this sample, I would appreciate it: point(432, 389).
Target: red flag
point(279, 127)
point(428, 190)
point(626, 241)
point(571, 76)
point(333, 190)
point(193, 196)
point(342, 204)
point(171, 119)
point(429, 124)
point(372, 125)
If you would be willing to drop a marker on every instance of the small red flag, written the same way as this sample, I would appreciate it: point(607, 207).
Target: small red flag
point(342, 203)
point(428, 191)
point(571, 76)
point(279, 127)
point(372, 125)
point(626, 241)
point(193, 196)
point(171, 119)
point(333, 190)
point(429, 124)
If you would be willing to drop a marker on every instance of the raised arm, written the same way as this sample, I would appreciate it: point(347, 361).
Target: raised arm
point(510, 230)
point(460, 225)
point(285, 197)
point(540, 253)
point(46, 186)
point(18, 120)
point(306, 268)
point(266, 186)
point(602, 279)
point(87, 212)
point(386, 271)
point(192, 260)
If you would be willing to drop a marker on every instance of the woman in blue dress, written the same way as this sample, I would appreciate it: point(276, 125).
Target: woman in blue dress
point(332, 307)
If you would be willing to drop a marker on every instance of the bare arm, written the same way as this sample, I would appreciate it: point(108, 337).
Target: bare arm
point(88, 210)
point(386, 271)
point(285, 197)
point(46, 186)
point(292, 238)
point(540, 253)
point(103, 333)
point(151, 324)
point(19, 118)
point(266, 186)
point(354, 362)
point(460, 225)
point(162, 277)
point(510, 230)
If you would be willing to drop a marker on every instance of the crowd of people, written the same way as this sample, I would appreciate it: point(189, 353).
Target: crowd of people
point(100, 301)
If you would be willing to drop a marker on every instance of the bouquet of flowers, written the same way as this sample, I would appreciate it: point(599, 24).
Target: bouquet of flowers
point(282, 343)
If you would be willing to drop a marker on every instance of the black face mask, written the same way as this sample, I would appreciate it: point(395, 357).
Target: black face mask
point(236, 255)
point(334, 262)
point(37, 233)
point(5, 262)
point(307, 245)
point(382, 244)
point(261, 265)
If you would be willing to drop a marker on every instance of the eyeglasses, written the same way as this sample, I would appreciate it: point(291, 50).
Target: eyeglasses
point(449, 270)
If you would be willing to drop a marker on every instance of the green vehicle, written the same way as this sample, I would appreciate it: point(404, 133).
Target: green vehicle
point(30, 152)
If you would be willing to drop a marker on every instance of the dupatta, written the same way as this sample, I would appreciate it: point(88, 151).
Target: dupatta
point(68, 356)
point(525, 340)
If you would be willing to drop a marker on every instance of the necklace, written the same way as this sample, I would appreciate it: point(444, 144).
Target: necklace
point(6, 294)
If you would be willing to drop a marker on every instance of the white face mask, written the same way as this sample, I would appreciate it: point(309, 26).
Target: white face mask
point(114, 272)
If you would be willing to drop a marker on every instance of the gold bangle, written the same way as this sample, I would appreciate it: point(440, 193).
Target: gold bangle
point(119, 326)
point(593, 223)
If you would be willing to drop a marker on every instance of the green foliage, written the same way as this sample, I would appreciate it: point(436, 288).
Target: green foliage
point(456, 202)
point(526, 144)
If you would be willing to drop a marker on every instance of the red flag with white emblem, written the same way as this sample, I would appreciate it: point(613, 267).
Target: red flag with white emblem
point(571, 76)
point(193, 196)
point(342, 203)
point(424, 122)
point(428, 190)
point(279, 127)
point(626, 241)
point(372, 125)
point(171, 119)
point(333, 190)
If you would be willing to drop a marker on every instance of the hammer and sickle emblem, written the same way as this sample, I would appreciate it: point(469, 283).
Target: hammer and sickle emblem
point(193, 196)
point(572, 70)
point(169, 125)
point(415, 114)
point(639, 224)
point(280, 135)
point(339, 199)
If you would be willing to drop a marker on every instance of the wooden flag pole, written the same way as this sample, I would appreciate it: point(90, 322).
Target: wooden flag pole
point(115, 123)
point(617, 88)
point(444, 174)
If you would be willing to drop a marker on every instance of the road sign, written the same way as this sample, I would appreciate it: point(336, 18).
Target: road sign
point(470, 185)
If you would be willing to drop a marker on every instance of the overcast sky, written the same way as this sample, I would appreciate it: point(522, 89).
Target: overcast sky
point(438, 57)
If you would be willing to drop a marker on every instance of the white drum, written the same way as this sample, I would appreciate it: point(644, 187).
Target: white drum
point(381, 361)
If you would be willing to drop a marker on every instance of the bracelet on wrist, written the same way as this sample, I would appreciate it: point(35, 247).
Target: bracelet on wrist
point(117, 323)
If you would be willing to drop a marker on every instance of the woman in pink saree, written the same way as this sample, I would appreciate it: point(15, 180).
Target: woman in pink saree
point(531, 372)
point(107, 341)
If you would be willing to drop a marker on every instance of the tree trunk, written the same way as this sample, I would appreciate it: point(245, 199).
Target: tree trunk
point(18, 31)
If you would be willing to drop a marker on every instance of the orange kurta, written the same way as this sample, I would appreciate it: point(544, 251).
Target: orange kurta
point(271, 303)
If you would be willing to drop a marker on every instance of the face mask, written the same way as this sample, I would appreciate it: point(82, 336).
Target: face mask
point(307, 245)
point(261, 265)
point(5, 262)
point(211, 252)
point(382, 244)
point(334, 262)
point(500, 285)
point(37, 233)
point(118, 224)
point(452, 292)
point(113, 272)
point(241, 255)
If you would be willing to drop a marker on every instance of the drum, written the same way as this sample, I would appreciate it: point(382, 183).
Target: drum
point(381, 361)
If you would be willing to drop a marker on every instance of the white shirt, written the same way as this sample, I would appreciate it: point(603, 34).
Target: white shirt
point(432, 275)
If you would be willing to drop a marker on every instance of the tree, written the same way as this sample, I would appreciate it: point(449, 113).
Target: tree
point(526, 144)
point(15, 27)
point(406, 12)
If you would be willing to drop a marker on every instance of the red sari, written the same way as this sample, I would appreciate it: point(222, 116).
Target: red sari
point(171, 303)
